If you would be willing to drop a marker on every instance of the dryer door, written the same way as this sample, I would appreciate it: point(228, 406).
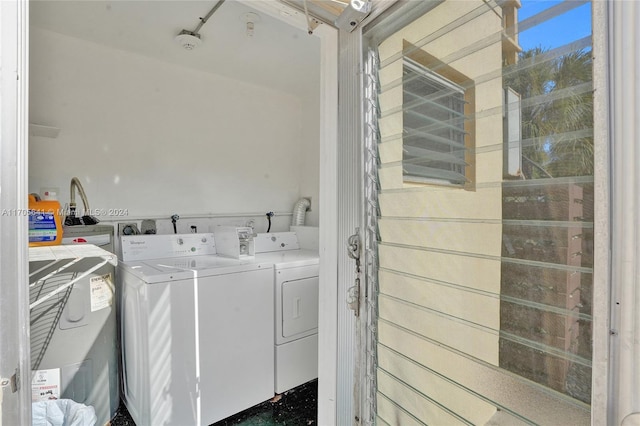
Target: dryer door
point(299, 307)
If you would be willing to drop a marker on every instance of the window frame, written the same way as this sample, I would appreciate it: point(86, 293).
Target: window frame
point(455, 92)
point(446, 74)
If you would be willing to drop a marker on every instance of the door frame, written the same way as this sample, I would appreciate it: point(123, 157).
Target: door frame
point(15, 404)
point(617, 187)
point(329, 381)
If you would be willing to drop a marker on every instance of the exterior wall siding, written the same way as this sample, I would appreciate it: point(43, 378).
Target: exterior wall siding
point(430, 251)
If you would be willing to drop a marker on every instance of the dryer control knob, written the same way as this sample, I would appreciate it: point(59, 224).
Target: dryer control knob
point(180, 242)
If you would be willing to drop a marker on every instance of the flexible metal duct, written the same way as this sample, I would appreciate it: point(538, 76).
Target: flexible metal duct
point(299, 211)
point(75, 184)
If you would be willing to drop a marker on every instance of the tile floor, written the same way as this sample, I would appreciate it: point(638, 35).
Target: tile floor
point(296, 407)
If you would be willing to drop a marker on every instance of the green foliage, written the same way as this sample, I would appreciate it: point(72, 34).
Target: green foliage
point(557, 112)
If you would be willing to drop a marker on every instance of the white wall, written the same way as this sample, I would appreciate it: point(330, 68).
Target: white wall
point(157, 139)
point(309, 162)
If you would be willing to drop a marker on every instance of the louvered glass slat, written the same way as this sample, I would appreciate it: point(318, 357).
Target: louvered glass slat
point(421, 104)
point(415, 154)
point(430, 119)
point(433, 173)
point(409, 135)
point(436, 127)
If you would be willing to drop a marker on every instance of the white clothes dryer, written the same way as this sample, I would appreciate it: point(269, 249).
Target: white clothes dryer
point(197, 335)
point(296, 307)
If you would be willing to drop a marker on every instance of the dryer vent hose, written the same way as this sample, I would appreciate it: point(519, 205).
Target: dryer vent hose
point(299, 211)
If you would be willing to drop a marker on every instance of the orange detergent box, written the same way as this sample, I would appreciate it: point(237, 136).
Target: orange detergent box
point(45, 222)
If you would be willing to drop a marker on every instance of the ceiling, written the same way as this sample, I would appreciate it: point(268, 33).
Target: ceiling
point(279, 55)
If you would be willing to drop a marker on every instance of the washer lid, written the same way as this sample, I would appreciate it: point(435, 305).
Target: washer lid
point(183, 268)
point(290, 258)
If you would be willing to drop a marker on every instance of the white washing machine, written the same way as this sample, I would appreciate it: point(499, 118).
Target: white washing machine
point(197, 335)
point(296, 307)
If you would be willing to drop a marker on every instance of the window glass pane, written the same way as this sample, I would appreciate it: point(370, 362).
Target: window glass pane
point(484, 112)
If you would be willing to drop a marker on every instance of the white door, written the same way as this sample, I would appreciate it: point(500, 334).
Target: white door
point(486, 302)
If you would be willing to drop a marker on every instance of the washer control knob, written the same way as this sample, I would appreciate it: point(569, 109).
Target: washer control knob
point(204, 239)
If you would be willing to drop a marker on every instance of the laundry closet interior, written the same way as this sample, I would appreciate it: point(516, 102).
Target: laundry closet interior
point(187, 136)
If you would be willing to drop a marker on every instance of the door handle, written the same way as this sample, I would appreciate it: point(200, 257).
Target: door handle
point(353, 293)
